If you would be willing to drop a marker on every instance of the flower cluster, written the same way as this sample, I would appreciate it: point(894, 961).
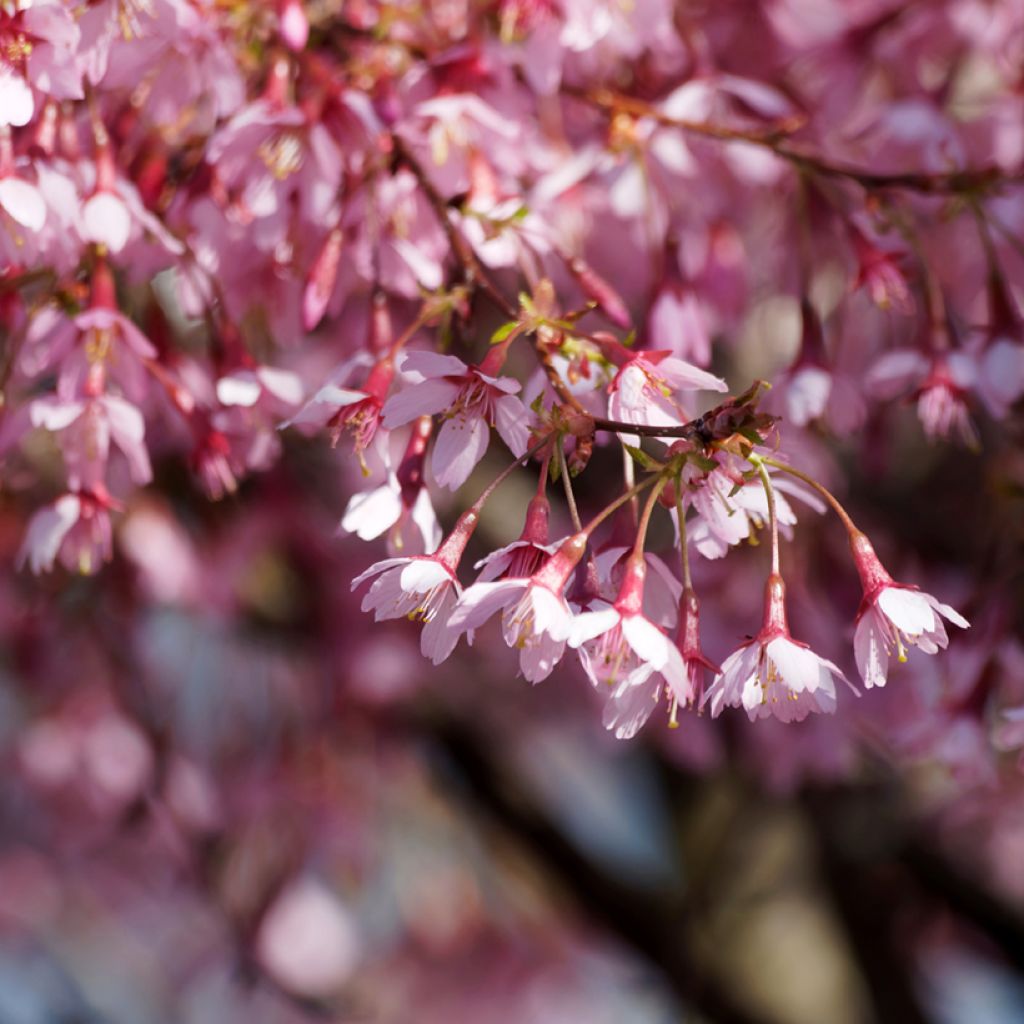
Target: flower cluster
point(218, 221)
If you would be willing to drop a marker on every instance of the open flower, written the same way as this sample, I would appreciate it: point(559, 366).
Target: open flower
point(536, 618)
point(773, 674)
point(401, 506)
point(621, 648)
point(76, 527)
point(422, 587)
point(893, 617)
point(644, 388)
point(471, 402)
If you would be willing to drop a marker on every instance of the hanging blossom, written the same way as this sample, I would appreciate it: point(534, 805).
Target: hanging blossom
point(424, 588)
point(536, 618)
point(622, 649)
point(893, 617)
point(773, 674)
point(401, 507)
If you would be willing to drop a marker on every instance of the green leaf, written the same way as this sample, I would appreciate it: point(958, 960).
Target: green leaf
point(642, 459)
point(504, 332)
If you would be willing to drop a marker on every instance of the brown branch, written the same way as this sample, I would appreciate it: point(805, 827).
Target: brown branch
point(938, 183)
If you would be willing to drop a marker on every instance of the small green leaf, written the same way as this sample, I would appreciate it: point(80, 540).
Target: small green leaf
point(642, 459)
point(504, 332)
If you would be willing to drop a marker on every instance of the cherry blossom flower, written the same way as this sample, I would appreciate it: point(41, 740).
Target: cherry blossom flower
point(622, 649)
point(643, 388)
point(401, 507)
point(892, 617)
point(423, 588)
point(773, 674)
point(523, 557)
point(76, 527)
point(536, 618)
point(471, 401)
point(941, 384)
point(358, 411)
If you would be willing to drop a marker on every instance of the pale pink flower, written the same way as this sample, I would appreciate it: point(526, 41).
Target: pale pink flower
point(880, 273)
point(401, 506)
point(76, 527)
point(623, 649)
point(86, 428)
point(471, 401)
point(340, 409)
point(525, 556)
point(940, 382)
point(422, 587)
point(773, 674)
point(643, 390)
point(679, 320)
point(536, 618)
point(892, 617)
point(725, 518)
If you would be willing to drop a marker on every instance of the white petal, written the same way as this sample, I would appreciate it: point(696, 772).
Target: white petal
point(592, 624)
point(908, 610)
point(23, 201)
point(647, 640)
point(797, 666)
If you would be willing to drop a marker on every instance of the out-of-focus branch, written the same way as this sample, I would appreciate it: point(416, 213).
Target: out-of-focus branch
point(652, 924)
point(969, 180)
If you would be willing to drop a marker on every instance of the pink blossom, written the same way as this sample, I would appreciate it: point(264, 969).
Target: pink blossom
point(76, 527)
point(358, 411)
point(536, 617)
point(892, 617)
point(940, 383)
point(401, 506)
point(622, 649)
point(643, 389)
point(525, 556)
point(423, 588)
point(880, 273)
point(471, 401)
point(773, 674)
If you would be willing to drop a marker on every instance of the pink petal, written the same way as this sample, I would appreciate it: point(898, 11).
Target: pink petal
point(460, 445)
point(424, 399)
point(46, 532)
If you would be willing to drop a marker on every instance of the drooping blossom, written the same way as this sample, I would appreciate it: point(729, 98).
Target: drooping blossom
point(622, 649)
point(536, 618)
point(773, 674)
point(76, 528)
point(523, 557)
point(893, 617)
point(401, 507)
point(470, 400)
point(941, 384)
point(424, 588)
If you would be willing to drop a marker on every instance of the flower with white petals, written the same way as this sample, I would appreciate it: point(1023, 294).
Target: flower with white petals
point(422, 588)
point(621, 648)
point(773, 674)
point(536, 618)
point(471, 401)
point(893, 617)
